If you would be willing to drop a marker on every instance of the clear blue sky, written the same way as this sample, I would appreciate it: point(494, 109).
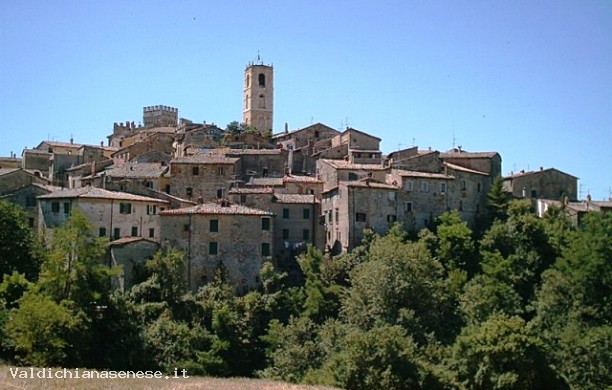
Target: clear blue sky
point(529, 79)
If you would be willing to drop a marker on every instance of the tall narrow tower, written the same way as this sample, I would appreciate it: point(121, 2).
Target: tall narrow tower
point(258, 96)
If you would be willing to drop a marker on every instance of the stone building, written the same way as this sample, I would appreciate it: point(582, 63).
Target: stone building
point(207, 176)
point(11, 162)
point(131, 254)
point(26, 198)
point(331, 172)
point(548, 183)
point(112, 214)
point(160, 116)
point(160, 142)
point(221, 237)
point(259, 96)
point(131, 177)
point(11, 179)
point(353, 206)
point(305, 139)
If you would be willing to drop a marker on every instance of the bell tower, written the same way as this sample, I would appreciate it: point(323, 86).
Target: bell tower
point(258, 95)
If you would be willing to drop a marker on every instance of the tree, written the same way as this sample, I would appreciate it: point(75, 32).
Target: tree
point(502, 353)
point(168, 267)
point(45, 332)
point(498, 200)
point(456, 250)
point(19, 249)
point(400, 283)
point(73, 270)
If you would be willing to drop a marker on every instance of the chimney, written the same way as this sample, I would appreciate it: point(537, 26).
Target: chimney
point(286, 128)
point(71, 140)
point(101, 144)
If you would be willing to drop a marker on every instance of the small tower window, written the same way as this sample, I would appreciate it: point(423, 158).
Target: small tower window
point(262, 101)
point(248, 80)
point(262, 80)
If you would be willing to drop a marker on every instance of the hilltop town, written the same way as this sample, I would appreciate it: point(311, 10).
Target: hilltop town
point(234, 197)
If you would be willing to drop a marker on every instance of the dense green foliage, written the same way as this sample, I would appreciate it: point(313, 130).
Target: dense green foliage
point(526, 305)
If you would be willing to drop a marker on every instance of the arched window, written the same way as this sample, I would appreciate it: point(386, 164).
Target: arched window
point(248, 80)
point(246, 102)
point(262, 80)
point(262, 101)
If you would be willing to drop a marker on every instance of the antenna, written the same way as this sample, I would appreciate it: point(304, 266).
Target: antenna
point(413, 141)
point(454, 139)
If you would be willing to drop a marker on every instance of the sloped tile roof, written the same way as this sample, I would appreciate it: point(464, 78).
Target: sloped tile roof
point(206, 158)
point(98, 193)
point(342, 164)
point(138, 171)
point(250, 190)
point(301, 179)
point(464, 169)
point(295, 198)
point(429, 175)
point(218, 209)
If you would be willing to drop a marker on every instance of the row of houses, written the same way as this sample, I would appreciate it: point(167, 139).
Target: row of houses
point(233, 200)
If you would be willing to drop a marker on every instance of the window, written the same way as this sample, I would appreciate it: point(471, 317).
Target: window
point(214, 225)
point(262, 80)
point(213, 248)
point(391, 218)
point(189, 192)
point(66, 208)
point(219, 193)
point(265, 249)
point(460, 205)
point(262, 101)
point(286, 213)
point(186, 227)
point(409, 185)
point(243, 198)
point(391, 196)
point(306, 234)
point(151, 233)
point(55, 207)
point(134, 231)
point(265, 224)
point(337, 215)
point(462, 185)
point(534, 193)
point(408, 207)
point(125, 208)
point(360, 217)
point(220, 171)
point(352, 176)
point(195, 171)
point(151, 209)
point(478, 187)
point(30, 201)
point(285, 234)
point(102, 232)
point(442, 188)
point(424, 186)
point(306, 213)
point(117, 233)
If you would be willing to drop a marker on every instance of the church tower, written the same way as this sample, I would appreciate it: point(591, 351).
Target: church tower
point(258, 95)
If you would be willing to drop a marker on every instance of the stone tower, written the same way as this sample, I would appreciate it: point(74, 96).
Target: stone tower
point(258, 96)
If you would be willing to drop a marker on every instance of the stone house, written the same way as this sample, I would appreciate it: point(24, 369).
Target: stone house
point(351, 207)
point(259, 162)
point(194, 139)
point(111, 214)
point(548, 183)
point(487, 162)
point(331, 172)
point(230, 238)
point(12, 179)
point(161, 142)
point(11, 162)
point(26, 198)
point(422, 197)
point(131, 177)
point(208, 176)
point(131, 254)
point(468, 192)
point(575, 211)
point(85, 171)
point(306, 138)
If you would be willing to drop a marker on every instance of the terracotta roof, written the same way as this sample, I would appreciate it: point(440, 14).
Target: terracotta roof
point(266, 181)
point(364, 150)
point(369, 184)
point(138, 171)
point(281, 135)
point(62, 144)
point(464, 169)
point(350, 129)
point(301, 179)
point(242, 152)
point(342, 164)
point(129, 240)
point(430, 175)
point(217, 209)
point(295, 198)
point(455, 153)
point(205, 158)
point(255, 190)
point(98, 193)
point(522, 173)
point(6, 171)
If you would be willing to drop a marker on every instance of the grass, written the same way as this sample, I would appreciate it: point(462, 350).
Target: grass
point(8, 382)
